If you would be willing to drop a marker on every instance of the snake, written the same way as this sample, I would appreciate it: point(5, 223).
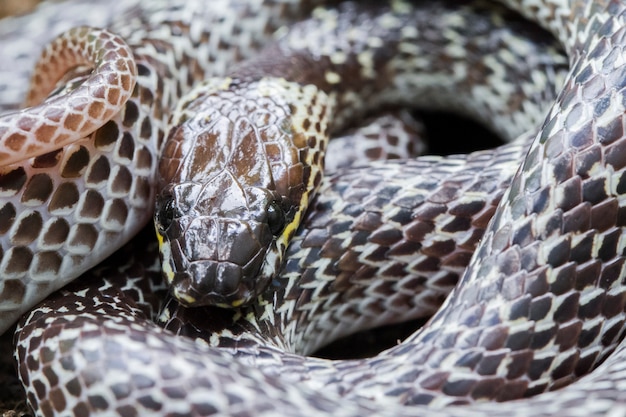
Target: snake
point(73, 164)
point(538, 306)
point(60, 225)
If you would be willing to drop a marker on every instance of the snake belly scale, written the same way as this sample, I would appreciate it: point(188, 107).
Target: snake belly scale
point(543, 278)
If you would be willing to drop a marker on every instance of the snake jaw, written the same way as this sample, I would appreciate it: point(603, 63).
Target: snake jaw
point(215, 283)
point(215, 257)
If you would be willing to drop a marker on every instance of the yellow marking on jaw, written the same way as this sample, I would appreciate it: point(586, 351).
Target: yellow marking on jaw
point(290, 229)
point(164, 248)
point(298, 118)
point(166, 267)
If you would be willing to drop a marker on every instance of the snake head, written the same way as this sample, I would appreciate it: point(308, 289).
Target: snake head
point(236, 174)
point(217, 248)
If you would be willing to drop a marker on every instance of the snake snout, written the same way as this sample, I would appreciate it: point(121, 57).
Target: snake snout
point(223, 261)
point(211, 283)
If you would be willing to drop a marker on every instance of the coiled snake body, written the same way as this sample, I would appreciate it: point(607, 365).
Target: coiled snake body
point(540, 304)
point(57, 226)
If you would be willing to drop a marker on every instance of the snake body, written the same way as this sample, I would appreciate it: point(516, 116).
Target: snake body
point(538, 306)
point(532, 355)
point(67, 210)
point(223, 238)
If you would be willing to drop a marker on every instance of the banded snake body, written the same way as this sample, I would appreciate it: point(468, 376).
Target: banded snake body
point(543, 283)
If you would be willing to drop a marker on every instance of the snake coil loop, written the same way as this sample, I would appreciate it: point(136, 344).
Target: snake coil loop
point(541, 302)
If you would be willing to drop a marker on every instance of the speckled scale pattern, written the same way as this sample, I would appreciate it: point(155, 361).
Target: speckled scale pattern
point(65, 119)
point(393, 135)
point(397, 73)
point(380, 62)
point(420, 242)
point(364, 226)
point(186, 368)
point(504, 331)
point(53, 222)
point(22, 39)
point(66, 209)
point(553, 343)
point(554, 266)
point(278, 391)
point(101, 191)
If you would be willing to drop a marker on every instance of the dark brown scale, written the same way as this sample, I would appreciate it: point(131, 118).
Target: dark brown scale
point(15, 290)
point(99, 170)
point(91, 205)
point(86, 235)
point(75, 163)
point(56, 233)
point(12, 181)
point(143, 189)
point(118, 212)
point(38, 189)
point(7, 216)
point(126, 147)
point(145, 130)
point(131, 114)
point(121, 183)
point(522, 364)
point(46, 262)
point(106, 135)
point(28, 229)
point(144, 158)
point(47, 160)
point(18, 260)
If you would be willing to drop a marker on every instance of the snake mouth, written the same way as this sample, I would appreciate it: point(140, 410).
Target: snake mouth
point(209, 283)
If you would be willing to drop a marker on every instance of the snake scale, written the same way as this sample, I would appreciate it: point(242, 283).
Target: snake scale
point(540, 304)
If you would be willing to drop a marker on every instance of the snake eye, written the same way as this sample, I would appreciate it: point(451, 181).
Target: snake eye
point(275, 217)
point(165, 213)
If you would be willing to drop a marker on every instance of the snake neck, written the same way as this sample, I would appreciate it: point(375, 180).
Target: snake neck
point(72, 207)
